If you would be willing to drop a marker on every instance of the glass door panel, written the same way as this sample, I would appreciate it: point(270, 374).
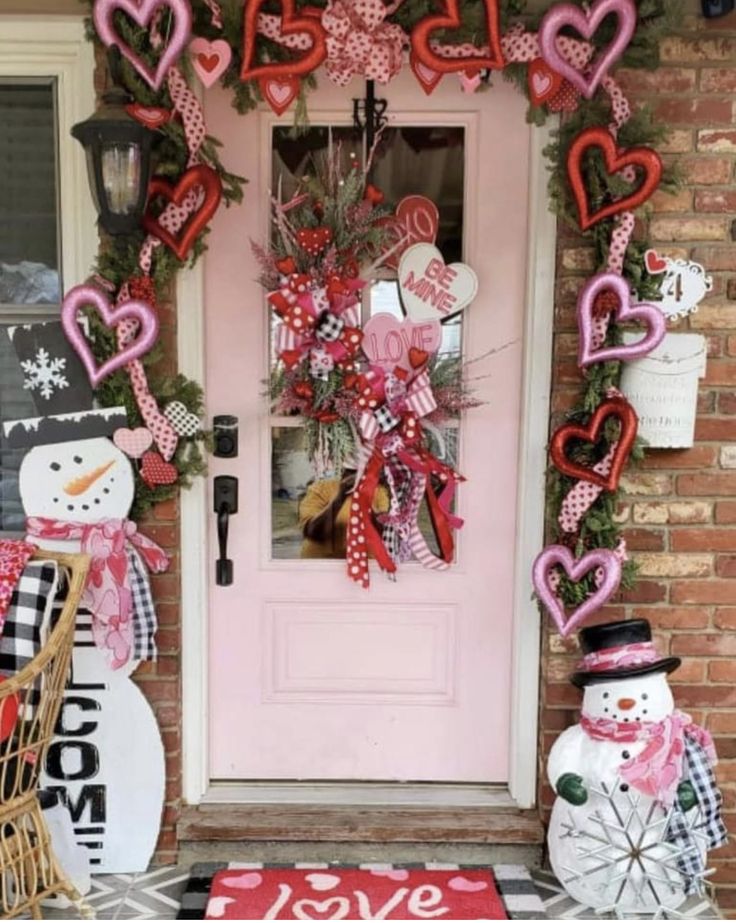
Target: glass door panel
point(309, 513)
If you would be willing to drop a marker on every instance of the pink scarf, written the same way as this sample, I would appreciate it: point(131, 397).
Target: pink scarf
point(108, 595)
point(657, 770)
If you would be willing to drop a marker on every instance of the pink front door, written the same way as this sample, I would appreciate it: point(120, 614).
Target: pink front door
point(313, 677)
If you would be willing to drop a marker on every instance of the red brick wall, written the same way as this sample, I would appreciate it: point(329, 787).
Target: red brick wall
point(680, 509)
point(161, 681)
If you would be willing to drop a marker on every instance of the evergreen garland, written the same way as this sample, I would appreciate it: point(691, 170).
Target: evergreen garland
point(118, 260)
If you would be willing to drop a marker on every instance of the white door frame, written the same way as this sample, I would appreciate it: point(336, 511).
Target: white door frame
point(537, 348)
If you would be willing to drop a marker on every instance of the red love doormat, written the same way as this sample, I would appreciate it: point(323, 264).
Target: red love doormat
point(354, 894)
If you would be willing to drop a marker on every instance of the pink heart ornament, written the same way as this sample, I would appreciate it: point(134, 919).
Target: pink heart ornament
point(134, 442)
point(648, 314)
point(246, 882)
point(460, 883)
point(559, 556)
point(431, 289)
point(210, 60)
point(387, 340)
point(142, 12)
point(565, 15)
point(88, 296)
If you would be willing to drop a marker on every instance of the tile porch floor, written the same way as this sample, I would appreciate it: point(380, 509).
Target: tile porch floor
point(156, 895)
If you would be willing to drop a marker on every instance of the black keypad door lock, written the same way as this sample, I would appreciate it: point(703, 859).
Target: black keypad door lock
point(225, 432)
point(226, 505)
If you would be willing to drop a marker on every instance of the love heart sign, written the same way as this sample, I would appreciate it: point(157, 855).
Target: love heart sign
point(416, 221)
point(432, 290)
point(389, 342)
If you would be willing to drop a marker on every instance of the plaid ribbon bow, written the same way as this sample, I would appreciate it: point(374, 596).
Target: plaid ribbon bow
point(318, 322)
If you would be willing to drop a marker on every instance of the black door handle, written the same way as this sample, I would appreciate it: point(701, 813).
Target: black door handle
point(226, 505)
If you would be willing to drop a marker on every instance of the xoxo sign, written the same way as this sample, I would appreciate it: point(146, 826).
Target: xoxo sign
point(416, 221)
point(387, 341)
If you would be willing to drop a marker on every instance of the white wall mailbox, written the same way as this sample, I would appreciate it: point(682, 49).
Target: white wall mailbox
point(663, 389)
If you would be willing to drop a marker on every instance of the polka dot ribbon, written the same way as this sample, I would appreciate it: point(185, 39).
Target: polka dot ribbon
point(584, 494)
point(163, 433)
point(174, 217)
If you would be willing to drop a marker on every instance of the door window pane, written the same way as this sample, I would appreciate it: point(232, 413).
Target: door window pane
point(308, 512)
point(427, 161)
point(29, 237)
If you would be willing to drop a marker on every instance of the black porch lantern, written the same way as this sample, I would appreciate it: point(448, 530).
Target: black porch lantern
point(118, 149)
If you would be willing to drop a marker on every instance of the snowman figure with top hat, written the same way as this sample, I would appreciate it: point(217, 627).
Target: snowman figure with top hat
point(637, 806)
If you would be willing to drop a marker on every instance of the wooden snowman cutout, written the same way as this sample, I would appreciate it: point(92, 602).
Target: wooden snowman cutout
point(107, 762)
point(611, 835)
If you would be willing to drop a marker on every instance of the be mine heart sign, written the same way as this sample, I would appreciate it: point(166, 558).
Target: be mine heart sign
point(432, 290)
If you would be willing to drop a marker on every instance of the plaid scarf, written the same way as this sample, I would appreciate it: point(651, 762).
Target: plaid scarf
point(699, 772)
point(108, 594)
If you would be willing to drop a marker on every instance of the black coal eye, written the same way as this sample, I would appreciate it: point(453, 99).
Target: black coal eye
point(55, 466)
point(605, 695)
point(644, 695)
point(77, 459)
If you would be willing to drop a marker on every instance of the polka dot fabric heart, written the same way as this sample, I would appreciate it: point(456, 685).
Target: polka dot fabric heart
point(14, 555)
point(314, 240)
point(156, 472)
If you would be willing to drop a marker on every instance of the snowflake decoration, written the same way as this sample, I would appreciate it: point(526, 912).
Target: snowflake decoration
point(624, 842)
point(44, 374)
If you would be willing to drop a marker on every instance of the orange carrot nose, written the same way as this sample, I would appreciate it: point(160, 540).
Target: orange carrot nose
point(626, 704)
point(80, 485)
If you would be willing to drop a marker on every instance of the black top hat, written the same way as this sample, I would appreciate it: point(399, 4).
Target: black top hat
point(64, 427)
point(600, 638)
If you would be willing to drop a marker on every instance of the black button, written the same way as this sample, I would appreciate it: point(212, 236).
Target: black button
point(625, 755)
point(624, 787)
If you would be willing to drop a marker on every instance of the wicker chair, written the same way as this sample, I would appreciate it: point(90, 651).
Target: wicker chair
point(29, 871)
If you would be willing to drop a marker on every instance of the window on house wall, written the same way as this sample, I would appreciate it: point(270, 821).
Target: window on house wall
point(30, 248)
